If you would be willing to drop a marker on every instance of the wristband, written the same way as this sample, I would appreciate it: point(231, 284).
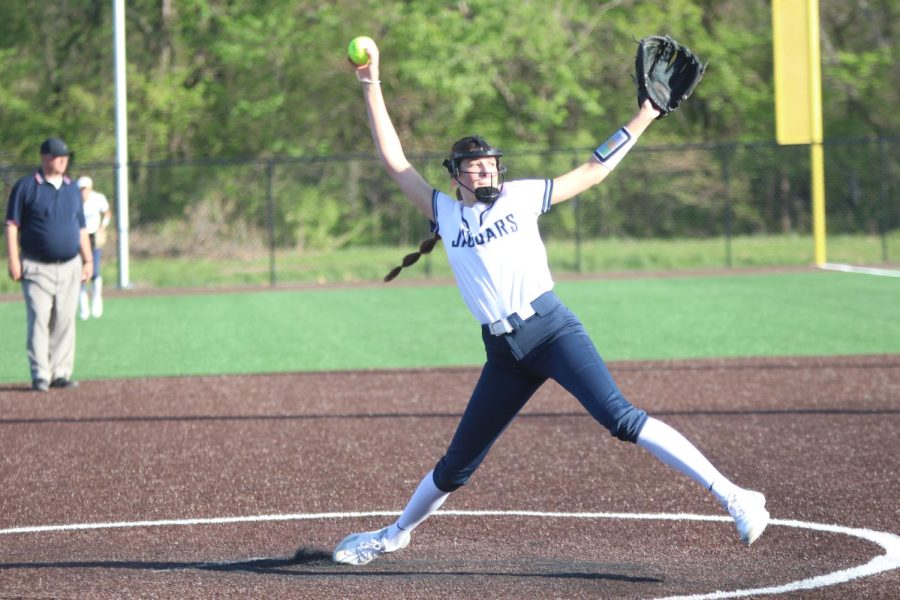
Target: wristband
point(611, 152)
point(370, 81)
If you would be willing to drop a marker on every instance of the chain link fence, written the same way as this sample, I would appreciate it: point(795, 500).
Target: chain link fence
point(340, 218)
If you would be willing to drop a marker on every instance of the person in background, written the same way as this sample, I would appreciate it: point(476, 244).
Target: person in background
point(97, 216)
point(50, 253)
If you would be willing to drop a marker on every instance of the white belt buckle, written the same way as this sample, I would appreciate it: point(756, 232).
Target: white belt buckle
point(500, 327)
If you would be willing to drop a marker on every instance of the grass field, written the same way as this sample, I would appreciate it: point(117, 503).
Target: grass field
point(354, 264)
point(808, 313)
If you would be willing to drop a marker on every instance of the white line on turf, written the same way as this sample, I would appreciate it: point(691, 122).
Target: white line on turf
point(888, 561)
point(863, 270)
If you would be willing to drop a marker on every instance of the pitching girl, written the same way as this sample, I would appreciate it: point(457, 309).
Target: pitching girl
point(491, 237)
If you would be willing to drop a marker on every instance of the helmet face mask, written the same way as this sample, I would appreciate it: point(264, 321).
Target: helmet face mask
point(475, 147)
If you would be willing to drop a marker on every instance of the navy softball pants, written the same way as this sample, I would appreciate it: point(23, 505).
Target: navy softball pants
point(553, 345)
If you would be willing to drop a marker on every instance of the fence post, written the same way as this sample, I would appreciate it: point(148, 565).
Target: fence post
point(726, 177)
point(428, 265)
point(883, 197)
point(576, 208)
point(576, 211)
point(270, 218)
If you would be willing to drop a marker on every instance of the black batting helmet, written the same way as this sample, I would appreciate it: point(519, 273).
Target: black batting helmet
point(475, 146)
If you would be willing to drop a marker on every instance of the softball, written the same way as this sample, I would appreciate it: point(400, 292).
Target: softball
point(356, 51)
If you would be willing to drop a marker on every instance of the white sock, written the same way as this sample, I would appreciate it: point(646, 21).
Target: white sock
point(674, 450)
point(424, 502)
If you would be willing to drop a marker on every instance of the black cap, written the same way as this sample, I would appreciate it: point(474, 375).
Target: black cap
point(55, 147)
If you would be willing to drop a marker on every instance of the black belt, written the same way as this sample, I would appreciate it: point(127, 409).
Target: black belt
point(541, 305)
point(50, 262)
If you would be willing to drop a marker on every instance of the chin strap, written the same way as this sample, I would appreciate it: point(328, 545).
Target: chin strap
point(486, 194)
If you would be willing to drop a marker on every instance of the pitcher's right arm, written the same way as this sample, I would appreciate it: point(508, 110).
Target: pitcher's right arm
point(387, 142)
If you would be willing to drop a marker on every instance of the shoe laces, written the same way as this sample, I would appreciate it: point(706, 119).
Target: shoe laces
point(370, 548)
point(736, 507)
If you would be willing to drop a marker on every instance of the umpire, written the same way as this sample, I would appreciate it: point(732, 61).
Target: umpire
point(45, 217)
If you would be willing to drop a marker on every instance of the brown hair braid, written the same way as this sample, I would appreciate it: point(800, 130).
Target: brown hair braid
point(410, 259)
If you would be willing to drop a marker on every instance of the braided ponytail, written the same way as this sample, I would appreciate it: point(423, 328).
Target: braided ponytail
point(410, 259)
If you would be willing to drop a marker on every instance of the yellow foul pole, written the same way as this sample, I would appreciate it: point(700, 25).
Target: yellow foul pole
point(817, 153)
point(798, 96)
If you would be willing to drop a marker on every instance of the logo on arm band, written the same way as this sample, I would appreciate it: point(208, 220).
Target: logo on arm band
point(611, 152)
point(616, 142)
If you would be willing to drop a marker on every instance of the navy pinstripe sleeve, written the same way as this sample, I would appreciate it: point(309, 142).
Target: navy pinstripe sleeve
point(435, 228)
point(548, 196)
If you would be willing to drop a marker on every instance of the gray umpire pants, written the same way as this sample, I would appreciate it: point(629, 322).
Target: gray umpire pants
point(51, 299)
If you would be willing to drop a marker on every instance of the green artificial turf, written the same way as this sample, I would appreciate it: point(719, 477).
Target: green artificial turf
point(809, 313)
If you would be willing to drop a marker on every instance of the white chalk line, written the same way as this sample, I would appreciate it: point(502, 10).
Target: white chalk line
point(885, 562)
point(863, 270)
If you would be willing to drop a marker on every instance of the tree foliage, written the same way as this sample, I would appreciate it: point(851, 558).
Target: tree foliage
point(243, 78)
point(267, 79)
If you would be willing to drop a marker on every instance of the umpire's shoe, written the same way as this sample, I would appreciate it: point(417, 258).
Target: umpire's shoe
point(748, 509)
point(363, 548)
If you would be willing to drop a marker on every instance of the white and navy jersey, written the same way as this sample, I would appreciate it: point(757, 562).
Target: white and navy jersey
point(495, 250)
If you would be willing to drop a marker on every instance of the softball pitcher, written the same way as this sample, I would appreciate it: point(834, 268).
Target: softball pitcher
point(491, 237)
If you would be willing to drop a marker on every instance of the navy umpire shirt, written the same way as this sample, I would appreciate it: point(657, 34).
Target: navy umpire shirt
point(49, 220)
